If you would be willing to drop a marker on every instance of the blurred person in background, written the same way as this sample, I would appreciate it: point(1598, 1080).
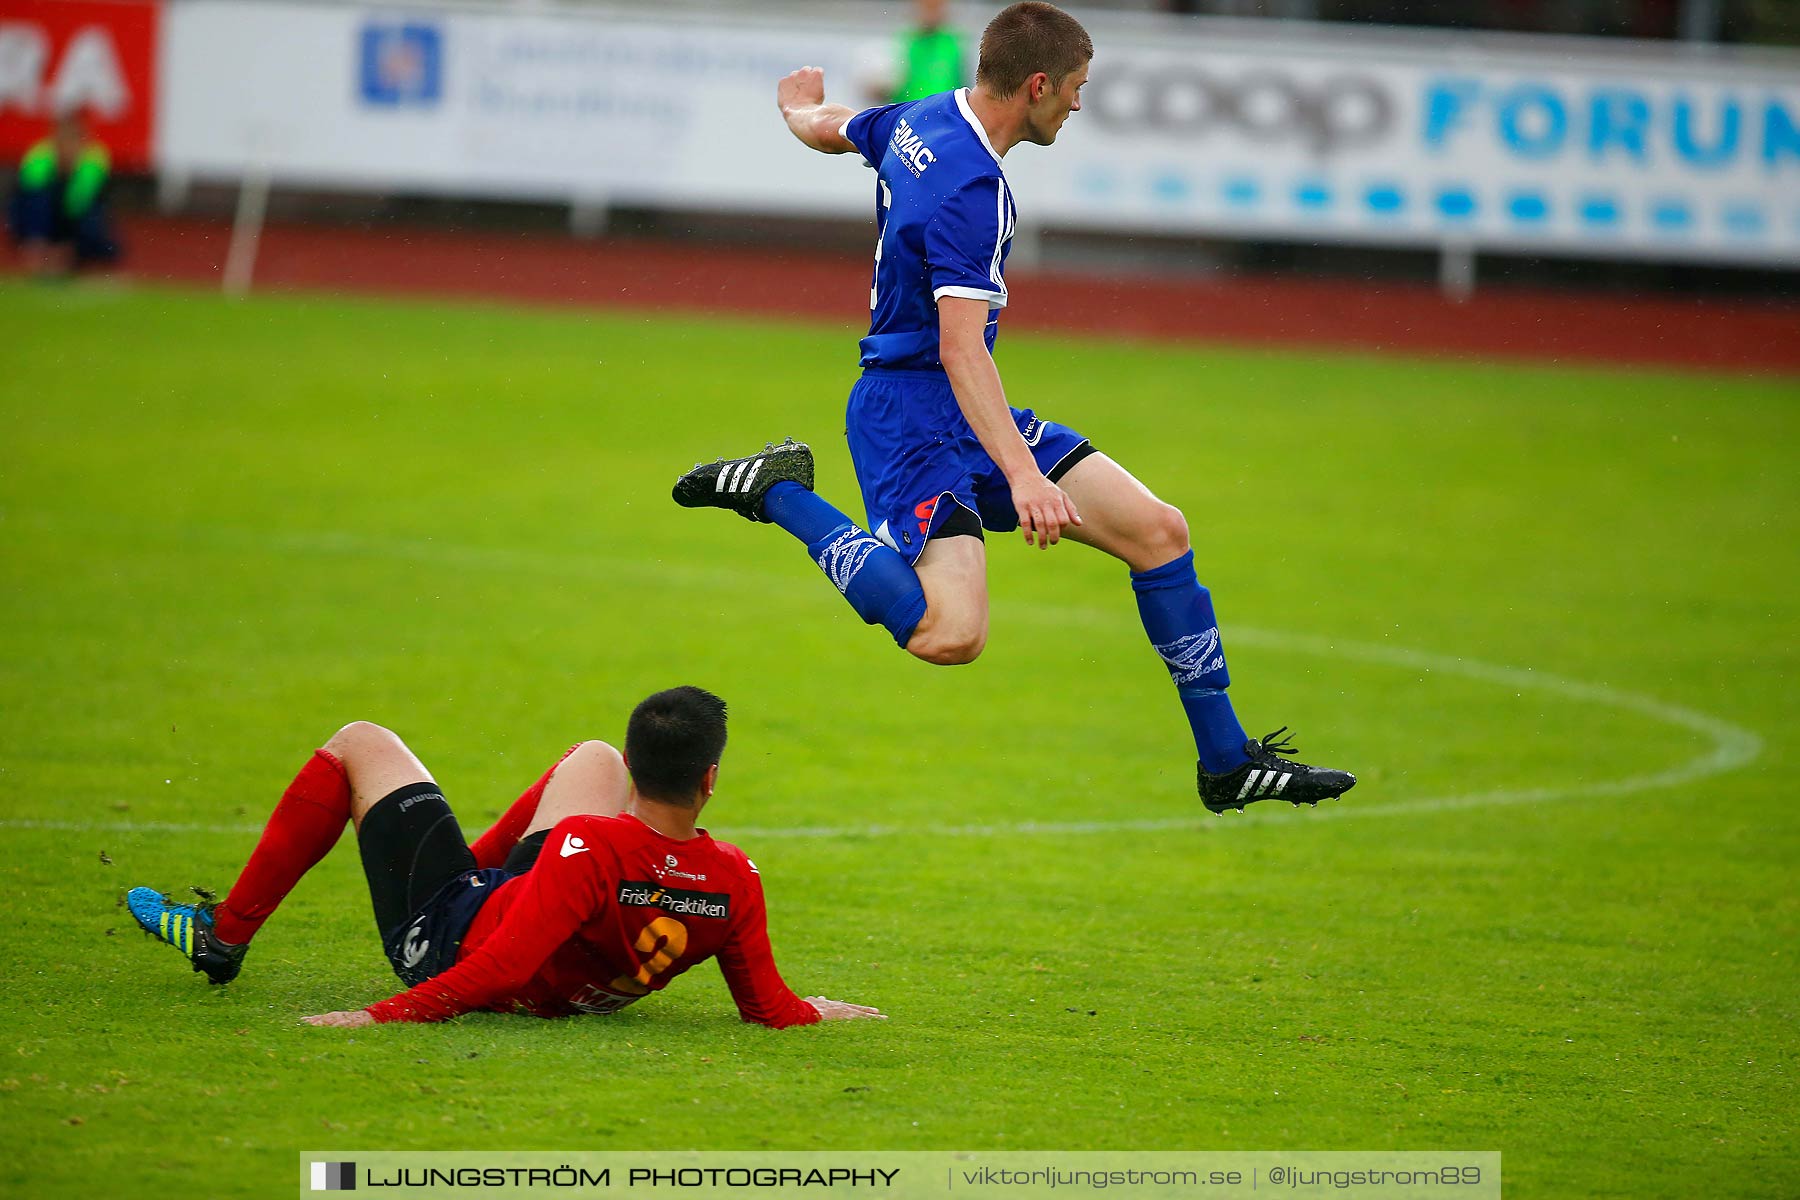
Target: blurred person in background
point(58, 210)
point(930, 54)
point(926, 58)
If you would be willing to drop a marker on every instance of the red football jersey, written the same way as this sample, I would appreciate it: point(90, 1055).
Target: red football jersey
point(611, 912)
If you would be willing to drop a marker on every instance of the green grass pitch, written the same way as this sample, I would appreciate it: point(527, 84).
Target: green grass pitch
point(1548, 615)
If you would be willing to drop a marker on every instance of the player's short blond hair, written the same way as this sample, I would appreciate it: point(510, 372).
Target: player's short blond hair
point(1025, 39)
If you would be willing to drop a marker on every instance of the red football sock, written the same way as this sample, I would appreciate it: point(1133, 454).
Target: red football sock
point(493, 846)
point(304, 827)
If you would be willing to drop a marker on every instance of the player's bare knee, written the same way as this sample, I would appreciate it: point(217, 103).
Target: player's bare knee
point(1171, 530)
point(360, 737)
point(594, 754)
point(948, 647)
point(1162, 538)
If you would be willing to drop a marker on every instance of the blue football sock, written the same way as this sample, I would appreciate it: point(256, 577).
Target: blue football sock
point(1178, 615)
point(879, 584)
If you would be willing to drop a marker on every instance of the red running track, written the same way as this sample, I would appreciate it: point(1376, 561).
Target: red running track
point(1497, 322)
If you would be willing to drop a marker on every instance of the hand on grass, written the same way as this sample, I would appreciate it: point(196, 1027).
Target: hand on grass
point(837, 1010)
point(341, 1020)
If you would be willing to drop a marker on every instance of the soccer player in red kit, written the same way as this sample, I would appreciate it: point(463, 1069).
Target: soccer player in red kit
point(595, 888)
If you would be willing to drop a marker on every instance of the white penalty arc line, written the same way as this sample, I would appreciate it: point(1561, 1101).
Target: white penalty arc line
point(1732, 747)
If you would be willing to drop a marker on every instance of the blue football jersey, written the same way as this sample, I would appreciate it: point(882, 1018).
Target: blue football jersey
point(945, 219)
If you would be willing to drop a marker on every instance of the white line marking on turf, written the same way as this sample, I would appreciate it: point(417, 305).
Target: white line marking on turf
point(1732, 747)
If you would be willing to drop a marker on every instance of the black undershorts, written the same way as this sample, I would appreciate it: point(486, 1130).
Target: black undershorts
point(423, 880)
point(964, 523)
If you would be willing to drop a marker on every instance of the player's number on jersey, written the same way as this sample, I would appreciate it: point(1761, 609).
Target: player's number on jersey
point(664, 940)
point(884, 201)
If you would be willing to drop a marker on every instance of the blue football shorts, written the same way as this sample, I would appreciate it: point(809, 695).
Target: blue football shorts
point(918, 461)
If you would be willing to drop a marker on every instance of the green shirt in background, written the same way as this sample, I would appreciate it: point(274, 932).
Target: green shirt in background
point(39, 166)
point(932, 62)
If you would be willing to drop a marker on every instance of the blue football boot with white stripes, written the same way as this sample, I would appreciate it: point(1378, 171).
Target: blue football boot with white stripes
point(740, 484)
point(188, 928)
point(1269, 776)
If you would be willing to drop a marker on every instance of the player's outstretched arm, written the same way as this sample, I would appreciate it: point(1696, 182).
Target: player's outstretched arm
point(837, 1010)
point(801, 97)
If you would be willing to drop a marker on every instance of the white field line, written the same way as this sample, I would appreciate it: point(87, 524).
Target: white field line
point(1732, 746)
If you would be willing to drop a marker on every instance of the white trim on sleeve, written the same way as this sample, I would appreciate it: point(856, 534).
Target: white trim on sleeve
point(994, 299)
point(844, 132)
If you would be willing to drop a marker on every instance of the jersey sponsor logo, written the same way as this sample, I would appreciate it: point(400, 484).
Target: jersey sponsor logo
point(572, 845)
point(415, 946)
point(673, 867)
point(1192, 656)
point(911, 149)
point(639, 894)
point(477, 881)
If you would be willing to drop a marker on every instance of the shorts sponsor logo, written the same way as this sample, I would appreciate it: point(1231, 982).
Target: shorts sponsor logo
point(423, 796)
point(924, 512)
point(1192, 656)
point(639, 894)
point(1033, 433)
point(415, 946)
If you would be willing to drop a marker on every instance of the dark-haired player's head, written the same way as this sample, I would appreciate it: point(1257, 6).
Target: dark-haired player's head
point(1042, 52)
point(672, 744)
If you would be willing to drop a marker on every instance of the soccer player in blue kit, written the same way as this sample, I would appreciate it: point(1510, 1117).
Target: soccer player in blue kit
point(938, 452)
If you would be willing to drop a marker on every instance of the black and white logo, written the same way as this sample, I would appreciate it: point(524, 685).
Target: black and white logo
point(415, 946)
point(638, 894)
point(334, 1177)
point(1192, 656)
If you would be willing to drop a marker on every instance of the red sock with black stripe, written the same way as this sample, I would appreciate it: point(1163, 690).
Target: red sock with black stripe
point(305, 825)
